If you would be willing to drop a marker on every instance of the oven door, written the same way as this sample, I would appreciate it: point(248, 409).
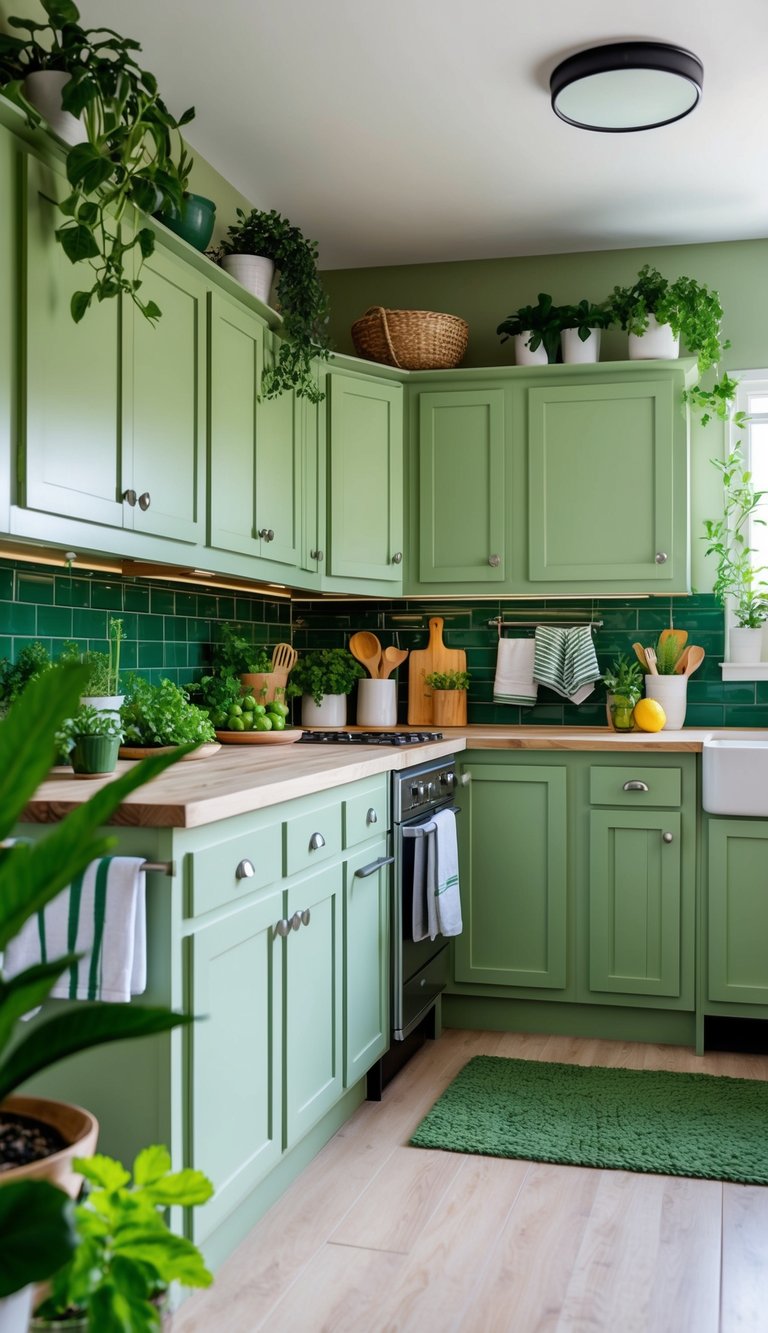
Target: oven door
point(419, 968)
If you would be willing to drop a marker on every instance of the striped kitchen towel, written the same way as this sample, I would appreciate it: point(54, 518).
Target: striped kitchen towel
point(514, 683)
point(101, 915)
point(565, 661)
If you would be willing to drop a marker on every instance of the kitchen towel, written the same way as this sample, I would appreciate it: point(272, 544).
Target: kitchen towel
point(443, 900)
point(565, 661)
point(101, 915)
point(514, 682)
point(420, 921)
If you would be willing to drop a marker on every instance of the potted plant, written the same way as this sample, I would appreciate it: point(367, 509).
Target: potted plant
point(126, 1255)
point(34, 73)
point(235, 656)
point(102, 690)
point(192, 218)
point(125, 158)
point(580, 328)
point(449, 697)
point(324, 678)
point(666, 685)
point(256, 245)
point(157, 716)
point(536, 331)
point(31, 875)
point(95, 735)
point(657, 313)
point(624, 684)
point(738, 585)
point(33, 660)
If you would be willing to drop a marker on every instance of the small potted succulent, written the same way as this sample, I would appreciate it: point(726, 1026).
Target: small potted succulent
point(580, 329)
point(324, 679)
point(159, 716)
point(624, 685)
point(449, 697)
point(95, 736)
point(536, 332)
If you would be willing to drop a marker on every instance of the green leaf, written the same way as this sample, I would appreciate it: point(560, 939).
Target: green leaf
point(151, 1164)
point(78, 304)
point(77, 242)
point(27, 745)
point(88, 213)
point(88, 168)
point(36, 1225)
point(61, 12)
point(186, 1188)
point(102, 1171)
point(173, 1258)
point(151, 311)
point(145, 195)
point(146, 242)
point(186, 116)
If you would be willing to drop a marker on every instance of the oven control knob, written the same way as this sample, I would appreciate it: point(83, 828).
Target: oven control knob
point(448, 779)
point(418, 791)
point(431, 789)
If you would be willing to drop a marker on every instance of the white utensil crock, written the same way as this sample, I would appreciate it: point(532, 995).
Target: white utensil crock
point(658, 343)
point(253, 272)
point(332, 712)
point(672, 693)
point(377, 703)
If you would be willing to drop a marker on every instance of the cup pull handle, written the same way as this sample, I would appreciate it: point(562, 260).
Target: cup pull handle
point(636, 786)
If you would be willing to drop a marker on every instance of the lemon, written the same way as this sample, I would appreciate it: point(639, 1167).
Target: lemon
point(649, 715)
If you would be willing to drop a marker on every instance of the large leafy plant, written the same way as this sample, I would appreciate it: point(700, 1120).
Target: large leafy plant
point(163, 715)
point(737, 580)
point(584, 317)
point(127, 158)
point(542, 320)
point(300, 294)
point(235, 655)
point(34, 1232)
point(327, 671)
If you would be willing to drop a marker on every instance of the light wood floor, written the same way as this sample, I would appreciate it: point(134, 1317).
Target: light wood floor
point(376, 1237)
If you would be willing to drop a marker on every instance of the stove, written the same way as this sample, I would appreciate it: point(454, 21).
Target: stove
point(368, 737)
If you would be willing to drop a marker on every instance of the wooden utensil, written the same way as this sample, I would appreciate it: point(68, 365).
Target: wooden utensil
point(283, 661)
point(650, 657)
point(422, 662)
point(680, 635)
point(681, 662)
point(391, 658)
point(365, 647)
point(640, 655)
point(696, 656)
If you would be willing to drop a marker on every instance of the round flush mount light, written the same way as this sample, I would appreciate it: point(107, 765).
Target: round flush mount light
point(626, 86)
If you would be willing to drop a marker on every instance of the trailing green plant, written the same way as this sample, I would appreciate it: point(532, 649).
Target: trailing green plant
point(300, 294)
point(447, 680)
point(543, 320)
point(235, 655)
point(737, 579)
point(584, 317)
point(104, 668)
point(325, 671)
point(624, 677)
point(126, 1256)
point(128, 155)
point(163, 715)
point(33, 661)
point(33, 1240)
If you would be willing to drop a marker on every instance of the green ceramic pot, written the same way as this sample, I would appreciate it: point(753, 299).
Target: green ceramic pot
point(91, 755)
point(193, 222)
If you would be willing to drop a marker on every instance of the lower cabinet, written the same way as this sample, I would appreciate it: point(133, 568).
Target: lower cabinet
point(366, 960)
point(737, 912)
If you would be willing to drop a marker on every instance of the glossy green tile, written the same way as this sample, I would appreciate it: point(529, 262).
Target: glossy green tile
point(244, 607)
point(162, 602)
point(186, 604)
point(17, 618)
point(150, 627)
point(71, 591)
point(6, 585)
point(718, 691)
point(109, 596)
point(207, 605)
point(89, 624)
point(226, 608)
point(151, 654)
point(55, 620)
point(747, 717)
point(37, 588)
point(199, 631)
point(135, 597)
point(704, 715)
point(761, 691)
point(176, 628)
point(175, 654)
point(129, 656)
point(6, 646)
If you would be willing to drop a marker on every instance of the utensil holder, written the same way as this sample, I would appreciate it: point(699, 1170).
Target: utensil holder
point(377, 703)
point(449, 708)
point(672, 693)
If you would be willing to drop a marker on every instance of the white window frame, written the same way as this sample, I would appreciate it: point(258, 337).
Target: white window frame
point(749, 382)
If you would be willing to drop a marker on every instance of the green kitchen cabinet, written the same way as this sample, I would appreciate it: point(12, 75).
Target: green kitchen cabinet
point(279, 467)
point(314, 524)
point(461, 486)
point(366, 959)
point(365, 479)
point(513, 839)
point(737, 911)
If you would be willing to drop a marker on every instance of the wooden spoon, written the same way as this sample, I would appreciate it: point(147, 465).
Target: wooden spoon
point(681, 662)
point(283, 661)
point(681, 635)
point(391, 658)
point(695, 658)
point(640, 655)
point(366, 648)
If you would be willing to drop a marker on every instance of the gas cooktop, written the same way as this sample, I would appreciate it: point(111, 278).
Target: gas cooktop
point(368, 737)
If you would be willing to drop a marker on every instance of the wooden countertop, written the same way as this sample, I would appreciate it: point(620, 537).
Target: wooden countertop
point(238, 780)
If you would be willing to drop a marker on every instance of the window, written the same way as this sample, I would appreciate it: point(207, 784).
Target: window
point(752, 398)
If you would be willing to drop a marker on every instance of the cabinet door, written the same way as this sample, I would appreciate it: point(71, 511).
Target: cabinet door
point(608, 499)
point(279, 472)
point(461, 487)
point(737, 911)
point(365, 459)
point(73, 461)
point(513, 838)
point(234, 1081)
point(167, 408)
point(313, 488)
point(635, 902)
point(236, 355)
point(366, 960)
point(313, 988)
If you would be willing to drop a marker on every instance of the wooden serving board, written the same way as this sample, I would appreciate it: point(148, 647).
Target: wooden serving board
point(203, 751)
point(259, 737)
point(422, 662)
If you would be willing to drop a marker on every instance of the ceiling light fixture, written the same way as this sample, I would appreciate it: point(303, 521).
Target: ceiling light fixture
point(626, 86)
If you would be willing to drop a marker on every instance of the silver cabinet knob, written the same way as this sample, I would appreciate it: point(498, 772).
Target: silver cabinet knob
point(295, 922)
point(494, 561)
point(465, 779)
point(316, 555)
point(306, 917)
point(667, 837)
point(245, 869)
point(371, 817)
point(316, 842)
point(661, 557)
point(635, 786)
point(282, 928)
point(267, 534)
point(129, 497)
point(145, 500)
point(397, 557)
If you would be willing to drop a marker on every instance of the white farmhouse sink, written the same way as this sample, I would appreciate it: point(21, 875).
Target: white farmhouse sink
point(735, 774)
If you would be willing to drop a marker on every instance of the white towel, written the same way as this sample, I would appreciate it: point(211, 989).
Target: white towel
point(443, 900)
point(565, 661)
point(514, 682)
point(101, 915)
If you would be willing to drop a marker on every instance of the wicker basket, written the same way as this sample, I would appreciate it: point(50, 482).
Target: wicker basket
point(410, 339)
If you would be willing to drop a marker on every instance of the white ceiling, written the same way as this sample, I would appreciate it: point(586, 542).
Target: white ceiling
point(411, 131)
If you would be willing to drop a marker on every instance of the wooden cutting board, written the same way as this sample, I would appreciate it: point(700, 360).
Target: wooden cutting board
point(422, 662)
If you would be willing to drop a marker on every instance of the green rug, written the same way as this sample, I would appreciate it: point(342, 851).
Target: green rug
point(626, 1119)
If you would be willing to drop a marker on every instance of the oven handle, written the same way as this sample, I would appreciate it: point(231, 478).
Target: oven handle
point(419, 830)
point(371, 869)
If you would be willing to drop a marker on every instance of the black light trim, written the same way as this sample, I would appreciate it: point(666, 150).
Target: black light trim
point(616, 56)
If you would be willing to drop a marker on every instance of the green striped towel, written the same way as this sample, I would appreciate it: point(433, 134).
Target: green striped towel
point(102, 916)
point(565, 661)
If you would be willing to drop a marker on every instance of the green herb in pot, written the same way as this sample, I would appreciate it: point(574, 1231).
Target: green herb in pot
point(624, 682)
point(447, 680)
point(327, 671)
point(162, 715)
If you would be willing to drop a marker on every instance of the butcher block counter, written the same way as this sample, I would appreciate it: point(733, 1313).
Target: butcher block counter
point(241, 779)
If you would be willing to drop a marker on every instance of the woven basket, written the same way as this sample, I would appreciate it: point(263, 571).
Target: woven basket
point(410, 339)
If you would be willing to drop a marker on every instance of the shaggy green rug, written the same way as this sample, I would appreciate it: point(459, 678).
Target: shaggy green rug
point(627, 1119)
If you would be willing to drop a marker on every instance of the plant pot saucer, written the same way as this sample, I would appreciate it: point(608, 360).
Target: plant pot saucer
point(259, 737)
point(142, 751)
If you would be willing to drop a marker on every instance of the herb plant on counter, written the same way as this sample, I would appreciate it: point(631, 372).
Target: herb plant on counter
point(448, 680)
point(162, 715)
point(624, 682)
point(235, 655)
point(326, 671)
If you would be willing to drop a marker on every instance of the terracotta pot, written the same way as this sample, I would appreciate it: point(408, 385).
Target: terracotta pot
point(77, 1127)
point(449, 708)
point(261, 684)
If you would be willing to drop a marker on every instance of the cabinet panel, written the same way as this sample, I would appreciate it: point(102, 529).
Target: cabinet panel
point(212, 879)
point(461, 486)
point(279, 472)
point(635, 902)
point(365, 813)
point(737, 911)
point(614, 786)
point(365, 460)
point(513, 876)
point(236, 357)
point(235, 1055)
point(312, 837)
point(366, 962)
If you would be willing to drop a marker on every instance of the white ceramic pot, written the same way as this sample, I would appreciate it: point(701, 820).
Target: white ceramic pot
point(377, 703)
point(103, 703)
point(15, 1311)
point(523, 354)
point(253, 272)
point(577, 352)
point(658, 343)
point(745, 644)
point(672, 693)
point(332, 712)
point(43, 90)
